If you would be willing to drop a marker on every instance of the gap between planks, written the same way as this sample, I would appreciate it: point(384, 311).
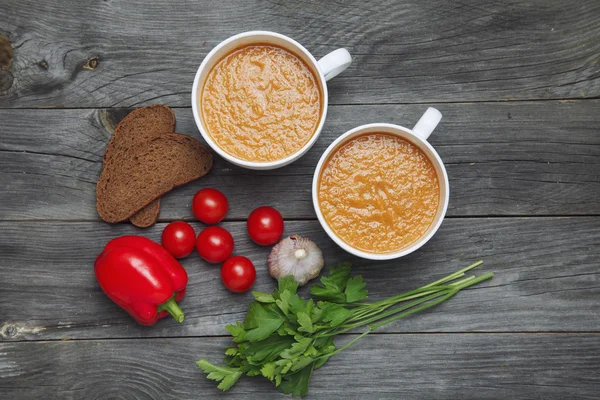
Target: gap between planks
point(342, 334)
point(559, 99)
point(303, 219)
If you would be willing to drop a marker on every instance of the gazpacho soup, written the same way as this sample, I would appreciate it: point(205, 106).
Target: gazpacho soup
point(261, 103)
point(378, 192)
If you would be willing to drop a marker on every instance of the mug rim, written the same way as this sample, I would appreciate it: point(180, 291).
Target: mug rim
point(254, 164)
point(380, 256)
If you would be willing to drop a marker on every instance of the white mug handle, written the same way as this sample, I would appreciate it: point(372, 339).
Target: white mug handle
point(335, 63)
point(427, 123)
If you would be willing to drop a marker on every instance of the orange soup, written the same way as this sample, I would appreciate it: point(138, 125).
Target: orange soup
point(261, 103)
point(378, 192)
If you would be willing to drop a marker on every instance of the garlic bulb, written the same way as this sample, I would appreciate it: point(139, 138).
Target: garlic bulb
point(297, 256)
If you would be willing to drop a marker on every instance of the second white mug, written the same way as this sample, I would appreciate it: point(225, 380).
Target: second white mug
point(418, 136)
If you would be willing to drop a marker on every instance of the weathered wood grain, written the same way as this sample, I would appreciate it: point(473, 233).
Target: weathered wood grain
point(504, 159)
point(546, 279)
point(127, 53)
point(468, 366)
point(526, 158)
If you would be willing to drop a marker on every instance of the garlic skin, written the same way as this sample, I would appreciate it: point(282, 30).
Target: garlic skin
point(297, 256)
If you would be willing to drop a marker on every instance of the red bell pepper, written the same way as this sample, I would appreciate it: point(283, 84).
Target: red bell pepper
point(142, 277)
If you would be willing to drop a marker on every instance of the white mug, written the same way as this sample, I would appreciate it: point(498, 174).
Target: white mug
point(418, 136)
point(326, 68)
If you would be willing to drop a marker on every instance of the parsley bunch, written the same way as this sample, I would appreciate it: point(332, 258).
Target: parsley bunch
point(285, 338)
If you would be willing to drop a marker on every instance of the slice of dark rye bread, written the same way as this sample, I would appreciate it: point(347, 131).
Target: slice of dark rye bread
point(132, 180)
point(141, 125)
point(147, 216)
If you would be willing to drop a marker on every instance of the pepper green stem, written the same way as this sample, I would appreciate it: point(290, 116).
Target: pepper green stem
point(173, 309)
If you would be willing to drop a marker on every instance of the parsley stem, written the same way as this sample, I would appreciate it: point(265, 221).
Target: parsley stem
point(380, 315)
point(380, 306)
point(377, 316)
point(415, 310)
point(422, 291)
point(431, 286)
point(472, 280)
point(467, 282)
point(430, 299)
point(455, 275)
point(350, 343)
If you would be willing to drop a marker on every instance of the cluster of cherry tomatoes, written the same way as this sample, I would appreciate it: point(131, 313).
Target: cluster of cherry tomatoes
point(215, 244)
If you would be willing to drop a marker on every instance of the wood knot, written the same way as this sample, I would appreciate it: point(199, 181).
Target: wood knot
point(110, 118)
point(6, 80)
point(6, 57)
point(8, 331)
point(14, 330)
point(6, 53)
point(92, 63)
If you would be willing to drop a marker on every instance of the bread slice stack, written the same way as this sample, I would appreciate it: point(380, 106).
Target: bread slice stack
point(144, 160)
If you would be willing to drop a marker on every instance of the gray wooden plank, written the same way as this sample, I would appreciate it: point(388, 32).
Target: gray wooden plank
point(446, 366)
point(125, 53)
point(546, 279)
point(525, 158)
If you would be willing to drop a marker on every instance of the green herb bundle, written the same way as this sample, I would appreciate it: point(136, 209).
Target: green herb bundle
point(285, 338)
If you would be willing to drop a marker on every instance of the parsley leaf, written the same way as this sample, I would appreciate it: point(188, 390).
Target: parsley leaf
point(355, 289)
point(334, 313)
point(268, 349)
point(287, 283)
point(311, 351)
point(237, 331)
point(338, 275)
point(296, 384)
point(268, 370)
point(231, 351)
point(316, 313)
point(330, 292)
point(301, 362)
point(225, 375)
point(252, 370)
point(261, 321)
point(305, 322)
point(332, 286)
point(297, 348)
point(284, 301)
point(297, 304)
point(286, 329)
point(263, 297)
point(320, 362)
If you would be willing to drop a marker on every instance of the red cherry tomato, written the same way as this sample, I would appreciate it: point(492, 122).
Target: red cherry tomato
point(214, 244)
point(265, 225)
point(178, 238)
point(238, 274)
point(210, 206)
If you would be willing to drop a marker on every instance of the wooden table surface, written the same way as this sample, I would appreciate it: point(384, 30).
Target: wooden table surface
point(518, 83)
